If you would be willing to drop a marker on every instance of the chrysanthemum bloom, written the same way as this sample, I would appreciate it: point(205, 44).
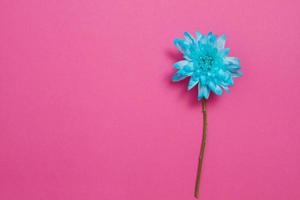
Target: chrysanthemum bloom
point(207, 63)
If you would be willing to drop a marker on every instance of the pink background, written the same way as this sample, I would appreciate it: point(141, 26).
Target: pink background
point(88, 111)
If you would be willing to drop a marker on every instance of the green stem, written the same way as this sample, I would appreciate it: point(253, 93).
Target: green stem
point(202, 148)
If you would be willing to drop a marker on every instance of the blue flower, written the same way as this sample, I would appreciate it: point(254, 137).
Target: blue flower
point(207, 63)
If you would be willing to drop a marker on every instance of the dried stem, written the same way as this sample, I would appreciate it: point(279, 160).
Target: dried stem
point(202, 148)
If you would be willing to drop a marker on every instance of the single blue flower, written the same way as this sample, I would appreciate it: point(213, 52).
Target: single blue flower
point(207, 63)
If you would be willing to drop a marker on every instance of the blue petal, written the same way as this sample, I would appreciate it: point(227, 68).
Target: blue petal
point(232, 60)
point(193, 81)
point(215, 88)
point(233, 67)
point(229, 81)
point(211, 37)
point(181, 64)
point(221, 42)
point(223, 75)
point(178, 76)
point(183, 73)
point(234, 71)
point(225, 88)
point(202, 41)
point(224, 52)
point(203, 80)
point(182, 45)
point(198, 36)
point(237, 74)
point(203, 92)
point(189, 38)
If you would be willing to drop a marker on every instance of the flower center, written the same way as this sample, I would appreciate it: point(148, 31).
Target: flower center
point(205, 62)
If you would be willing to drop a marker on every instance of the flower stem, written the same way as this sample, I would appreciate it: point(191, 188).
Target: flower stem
point(202, 148)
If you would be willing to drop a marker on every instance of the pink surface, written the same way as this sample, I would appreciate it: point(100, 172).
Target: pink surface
point(88, 111)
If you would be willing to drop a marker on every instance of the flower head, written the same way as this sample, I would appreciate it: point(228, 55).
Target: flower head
point(207, 63)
